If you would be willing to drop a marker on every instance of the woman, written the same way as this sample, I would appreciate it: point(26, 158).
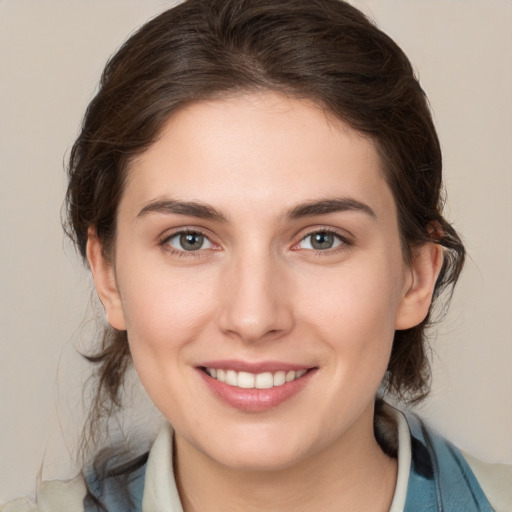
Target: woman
point(256, 189)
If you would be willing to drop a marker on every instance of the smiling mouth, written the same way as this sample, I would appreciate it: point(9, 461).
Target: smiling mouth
point(247, 380)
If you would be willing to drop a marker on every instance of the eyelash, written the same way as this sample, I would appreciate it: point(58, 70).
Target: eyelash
point(183, 253)
point(344, 242)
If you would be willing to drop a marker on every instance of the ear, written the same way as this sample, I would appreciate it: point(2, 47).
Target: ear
point(105, 281)
point(419, 287)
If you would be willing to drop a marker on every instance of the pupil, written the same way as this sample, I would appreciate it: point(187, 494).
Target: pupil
point(322, 240)
point(191, 241)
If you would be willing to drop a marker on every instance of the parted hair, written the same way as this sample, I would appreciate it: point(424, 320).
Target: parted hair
point(325, 51)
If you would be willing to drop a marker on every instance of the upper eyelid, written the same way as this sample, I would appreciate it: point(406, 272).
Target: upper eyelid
point(343, 234)
point(346, 241)
point(164, 240)
point(168, 234)
point(165, 245)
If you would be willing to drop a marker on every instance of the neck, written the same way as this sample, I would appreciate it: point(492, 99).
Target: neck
point(351, 474)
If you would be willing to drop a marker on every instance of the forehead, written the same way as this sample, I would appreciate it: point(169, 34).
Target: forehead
point(266, 148)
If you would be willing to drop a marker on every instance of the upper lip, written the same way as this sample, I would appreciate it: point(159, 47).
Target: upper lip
point(254, 367)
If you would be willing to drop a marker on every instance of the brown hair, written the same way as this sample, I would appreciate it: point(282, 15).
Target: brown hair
point(323, 50)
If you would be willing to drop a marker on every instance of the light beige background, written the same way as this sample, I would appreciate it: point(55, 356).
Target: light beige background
point(51, 55)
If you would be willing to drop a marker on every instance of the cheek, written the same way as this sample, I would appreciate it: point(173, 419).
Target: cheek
point(354, 311)
point(165, 309)
point(357, 297)
point(165, 315)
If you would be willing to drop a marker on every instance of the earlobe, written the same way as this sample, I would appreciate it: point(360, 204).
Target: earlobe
point(105, 282)
point(424, 270)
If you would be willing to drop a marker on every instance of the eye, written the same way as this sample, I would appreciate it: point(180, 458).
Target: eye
point(189, 241)
point(321, 241)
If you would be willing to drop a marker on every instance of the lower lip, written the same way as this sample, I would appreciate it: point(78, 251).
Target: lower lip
point(255, 400)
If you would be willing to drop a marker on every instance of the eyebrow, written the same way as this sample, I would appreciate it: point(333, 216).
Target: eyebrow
point(326, 206)
point(190, 208)
point(205, 211)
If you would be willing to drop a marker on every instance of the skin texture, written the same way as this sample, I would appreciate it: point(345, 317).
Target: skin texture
point(256, 291)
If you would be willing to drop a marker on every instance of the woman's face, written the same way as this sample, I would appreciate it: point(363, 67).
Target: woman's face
point(258, 272)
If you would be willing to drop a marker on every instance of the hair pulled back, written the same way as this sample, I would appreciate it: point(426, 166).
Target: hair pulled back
point(323, 50)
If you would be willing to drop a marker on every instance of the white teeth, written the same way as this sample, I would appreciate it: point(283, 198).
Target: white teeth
point(246, 380)
point(212, 372)
point(231, 378)
point(279, 378)
point(264, 381)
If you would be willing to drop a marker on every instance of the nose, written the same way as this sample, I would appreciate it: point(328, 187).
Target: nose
point(256, 299)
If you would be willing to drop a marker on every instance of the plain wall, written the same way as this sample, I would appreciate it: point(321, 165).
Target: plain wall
point(51, 55)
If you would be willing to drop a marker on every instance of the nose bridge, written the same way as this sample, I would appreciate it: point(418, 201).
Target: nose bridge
point(254, 299)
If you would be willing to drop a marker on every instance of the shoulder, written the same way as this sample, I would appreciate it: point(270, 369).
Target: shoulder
point(107, 486)
point(495, 480)
point(115, 485)
point(457, 478)
point(53, 496)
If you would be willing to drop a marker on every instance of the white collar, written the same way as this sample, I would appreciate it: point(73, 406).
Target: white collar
point(404, 460)
point(160, 491)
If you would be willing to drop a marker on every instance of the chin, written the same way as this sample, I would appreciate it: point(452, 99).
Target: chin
point(259, 451)
point(261, 461)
